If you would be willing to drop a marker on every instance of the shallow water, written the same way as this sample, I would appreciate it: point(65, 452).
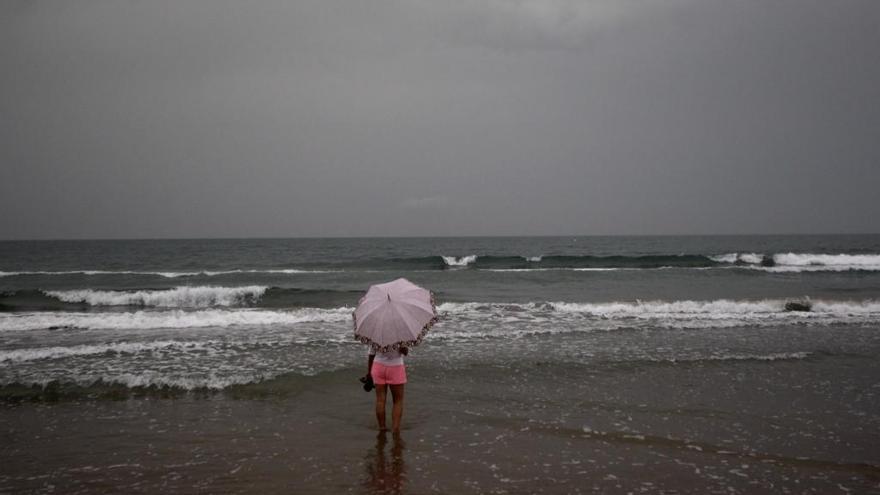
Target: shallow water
point(662, 365)
point(791, 425)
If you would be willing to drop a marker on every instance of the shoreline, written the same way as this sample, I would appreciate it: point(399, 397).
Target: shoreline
point(538, 428)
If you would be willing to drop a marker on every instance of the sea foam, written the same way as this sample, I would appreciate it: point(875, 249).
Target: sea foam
point(170, 319)
point(803, 262)
point(178, 297)
point(40, 353)
point(829, 262)
point(452, 261)
point(164, 274)
point(721, 313)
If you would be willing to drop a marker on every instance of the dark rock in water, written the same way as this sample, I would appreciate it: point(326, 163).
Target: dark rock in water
point(767, 260)
point(798, 306)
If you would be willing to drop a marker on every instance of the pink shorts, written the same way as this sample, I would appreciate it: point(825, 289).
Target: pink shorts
point(388, 375)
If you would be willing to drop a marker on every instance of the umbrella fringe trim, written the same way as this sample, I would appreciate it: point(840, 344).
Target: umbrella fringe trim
point(396, 346)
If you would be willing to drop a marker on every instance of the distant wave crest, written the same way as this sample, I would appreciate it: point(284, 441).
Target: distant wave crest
point(686, 314)
point(462, 261)
point(718, 307)
point(163, 274)
point(802, 262)
point(770, 262)
point(178, 297)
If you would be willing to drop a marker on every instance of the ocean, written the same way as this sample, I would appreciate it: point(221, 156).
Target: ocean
point(716, 364)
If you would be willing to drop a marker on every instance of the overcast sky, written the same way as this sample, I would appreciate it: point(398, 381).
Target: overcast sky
point(222, 118)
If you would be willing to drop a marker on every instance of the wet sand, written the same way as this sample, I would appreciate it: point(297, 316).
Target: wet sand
point(783, 427)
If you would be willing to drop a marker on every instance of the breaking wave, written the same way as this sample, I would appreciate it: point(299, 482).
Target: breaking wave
point(452, 261)
point(720, 313)
point(770, 262)
point(269, 345)
point(747, 258)
point(164, 274)
point(801, 262)
point(825, 262)
point(548, 262)
point(779, 262)
point(178, 297)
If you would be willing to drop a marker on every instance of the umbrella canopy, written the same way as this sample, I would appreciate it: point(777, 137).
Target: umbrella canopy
point(393, 315)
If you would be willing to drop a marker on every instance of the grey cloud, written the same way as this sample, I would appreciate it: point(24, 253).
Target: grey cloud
point(427, 202)
point(270, 118)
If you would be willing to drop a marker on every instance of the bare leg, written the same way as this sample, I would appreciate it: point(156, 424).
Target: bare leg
point(397, 409)
point(380, 405)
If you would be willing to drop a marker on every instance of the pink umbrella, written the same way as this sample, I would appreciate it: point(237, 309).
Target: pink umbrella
point(393, 315)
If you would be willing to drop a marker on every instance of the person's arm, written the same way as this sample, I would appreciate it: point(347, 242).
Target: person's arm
point(369, 364)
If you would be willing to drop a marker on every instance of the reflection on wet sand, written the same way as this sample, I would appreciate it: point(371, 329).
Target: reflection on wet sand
point(386, 474)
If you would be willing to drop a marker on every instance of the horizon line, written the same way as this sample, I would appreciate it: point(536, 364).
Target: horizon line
point(86, 239)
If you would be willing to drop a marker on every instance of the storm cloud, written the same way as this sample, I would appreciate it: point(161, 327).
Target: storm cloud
point(214, 118)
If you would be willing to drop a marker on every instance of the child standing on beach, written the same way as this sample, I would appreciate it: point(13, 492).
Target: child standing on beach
point(388, 371)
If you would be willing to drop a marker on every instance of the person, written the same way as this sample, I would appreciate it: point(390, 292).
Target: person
point(388, 371)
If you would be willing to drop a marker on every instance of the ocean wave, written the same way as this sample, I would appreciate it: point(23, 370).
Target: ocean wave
point(97, 272)
point(807, 259)
point(500, 263)
point(89, 384)
point(717, 308)
point(807, 262)
point(748, 258)
point(87, 380)
point(596, 269)
point(720, 313)
point(452, 261)
point(164, 274)
point(724, 308)
point(513, 270)
point(771, 262)
point(779, 262)
point(187, 381)
point(109, 377)
point(178, 297)
point(169, 319)
point(801, 262)
point(41, 353)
